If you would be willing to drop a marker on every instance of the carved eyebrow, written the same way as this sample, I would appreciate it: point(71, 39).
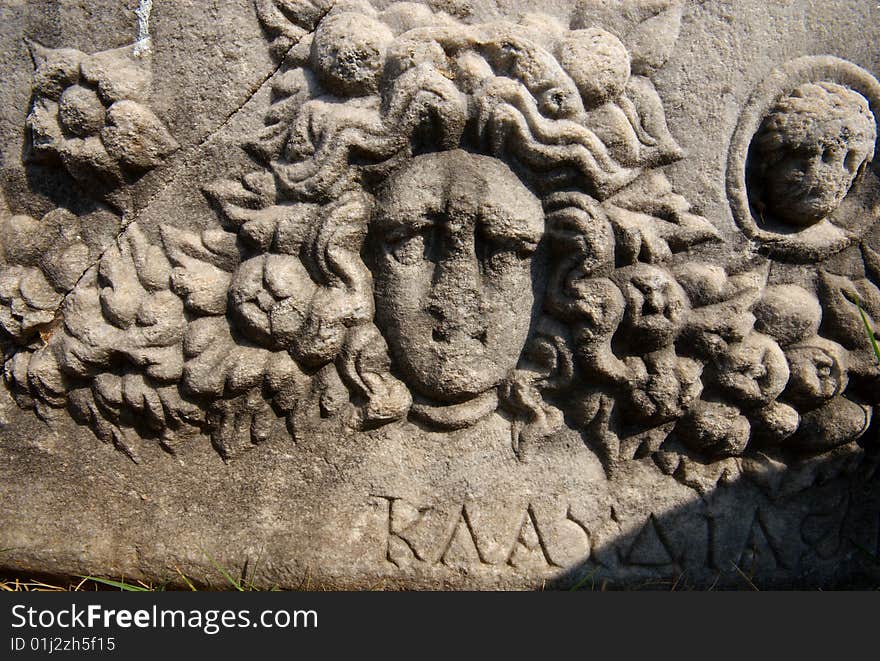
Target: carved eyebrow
point(510, 229)
point(394, 213)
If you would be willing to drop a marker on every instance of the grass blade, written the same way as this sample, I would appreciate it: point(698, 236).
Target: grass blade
point(188, 582)
point(870, 332)
point(588, 577)
point(125, 587)
point(746, 577)
point(226, 575)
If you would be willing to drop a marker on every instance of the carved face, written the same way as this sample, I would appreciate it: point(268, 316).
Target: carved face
point(808, 183)
point(814, 144)
point(655, 307)
point(818, 371)
point(453, 237)
point(754, 371)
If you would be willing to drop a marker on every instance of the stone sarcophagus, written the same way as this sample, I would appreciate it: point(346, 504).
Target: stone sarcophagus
point(442, 295)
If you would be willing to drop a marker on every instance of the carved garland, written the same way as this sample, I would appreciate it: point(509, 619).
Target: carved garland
point(709, 370)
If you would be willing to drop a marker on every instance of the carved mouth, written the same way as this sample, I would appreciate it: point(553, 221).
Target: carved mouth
point(813, 196)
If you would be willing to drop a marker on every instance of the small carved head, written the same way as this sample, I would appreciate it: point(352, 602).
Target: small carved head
point(655, 307)
point(753, 372)
point(818, 372)
point(812, 146)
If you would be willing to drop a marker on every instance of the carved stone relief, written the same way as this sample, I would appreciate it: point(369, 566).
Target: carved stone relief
point(448, 225)
point(805, 138)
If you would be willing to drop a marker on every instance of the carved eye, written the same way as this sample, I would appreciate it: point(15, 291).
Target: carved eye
point(408, 250)
point(852, 161)
point(824, 365)
point(495, 254)
point(497, 259)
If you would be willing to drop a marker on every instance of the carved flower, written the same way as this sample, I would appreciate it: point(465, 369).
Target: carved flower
point(88, 114)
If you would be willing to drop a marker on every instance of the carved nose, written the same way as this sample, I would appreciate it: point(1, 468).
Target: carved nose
point(459, 304)
point(455, 301)
point(655, 302)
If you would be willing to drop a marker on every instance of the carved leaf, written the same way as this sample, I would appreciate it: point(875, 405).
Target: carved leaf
point(247, 206)
point(216, 365)
point(649, 29)
point(651, 222)
point(644, 109)
point(45, 131)
point(841, 299)
point(203, 267)
point(27, 301)
point(135, 137)
point(290, 91)
point(54, 69)
point(246, 383)
point(239, 423)
point(121, 73)
point(288, 21)
point(122, 311)
point(85, 409)
point(872, 264)
point(652, 41)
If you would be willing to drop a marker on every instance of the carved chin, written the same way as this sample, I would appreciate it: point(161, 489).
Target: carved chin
point(446, 375)
point(807, 210)
point(804, 208)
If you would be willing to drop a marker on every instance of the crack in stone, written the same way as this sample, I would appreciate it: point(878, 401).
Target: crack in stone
point(250, 96)
point(143, 45)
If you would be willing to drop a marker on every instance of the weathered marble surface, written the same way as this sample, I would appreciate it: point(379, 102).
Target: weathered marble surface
point(443, 295)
